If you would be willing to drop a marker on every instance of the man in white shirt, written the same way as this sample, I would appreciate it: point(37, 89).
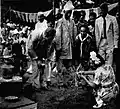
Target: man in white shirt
point(41, 25)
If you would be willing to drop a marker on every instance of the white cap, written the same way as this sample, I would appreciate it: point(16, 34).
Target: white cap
point(68, 6)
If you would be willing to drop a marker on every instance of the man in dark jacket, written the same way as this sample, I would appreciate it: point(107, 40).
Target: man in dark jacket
point(83, 47)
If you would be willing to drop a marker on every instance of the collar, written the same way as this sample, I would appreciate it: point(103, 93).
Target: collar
point(82, 40)
point(107, 16)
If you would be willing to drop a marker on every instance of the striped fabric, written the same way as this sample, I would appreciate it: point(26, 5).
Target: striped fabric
point(32, 17)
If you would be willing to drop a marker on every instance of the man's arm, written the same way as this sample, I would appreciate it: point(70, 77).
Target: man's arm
point(97, 34)
point(116, 32)
point(58, 36)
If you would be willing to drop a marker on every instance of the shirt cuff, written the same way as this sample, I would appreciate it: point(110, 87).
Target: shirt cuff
point(115, 46)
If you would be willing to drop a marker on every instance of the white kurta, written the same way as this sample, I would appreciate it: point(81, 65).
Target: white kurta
point(41, 27)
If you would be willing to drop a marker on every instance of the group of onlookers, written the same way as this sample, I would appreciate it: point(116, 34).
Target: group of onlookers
point(67, 43)
point(78, 43)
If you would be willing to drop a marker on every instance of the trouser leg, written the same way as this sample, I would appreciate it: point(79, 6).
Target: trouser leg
point(109, 56)
point(48, 73)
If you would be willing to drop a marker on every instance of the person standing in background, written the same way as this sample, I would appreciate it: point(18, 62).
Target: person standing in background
point(41, 25)
point(106, 34)
point(65, 37)
point(91, 22)
point(82, 20)
point(91, 26)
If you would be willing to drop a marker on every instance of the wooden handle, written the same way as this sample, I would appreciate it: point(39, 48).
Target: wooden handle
point(86, 72)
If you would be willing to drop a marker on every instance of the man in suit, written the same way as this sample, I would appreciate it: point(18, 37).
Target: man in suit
point(106, 34)
point(65, 36)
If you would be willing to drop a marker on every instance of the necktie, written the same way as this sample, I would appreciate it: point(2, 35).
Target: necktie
point(104, 27)
point(81, 45)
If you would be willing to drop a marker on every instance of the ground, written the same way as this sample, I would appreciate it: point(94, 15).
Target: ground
point(66, 98)
point(63, 94)
point(62, 97)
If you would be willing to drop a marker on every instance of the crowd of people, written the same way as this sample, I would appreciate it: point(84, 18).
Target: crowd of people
point(66, 44)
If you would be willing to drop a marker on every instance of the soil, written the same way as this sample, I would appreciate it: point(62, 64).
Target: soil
point(66, 98)
point(63, 94)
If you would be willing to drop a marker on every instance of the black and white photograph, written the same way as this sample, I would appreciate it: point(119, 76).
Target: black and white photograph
point(59, 54)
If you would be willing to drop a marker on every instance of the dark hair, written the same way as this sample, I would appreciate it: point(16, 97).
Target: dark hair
point(76, 13)
point(93, 14)
point(82, 11)
point(102, 61)
point(85, 26)
point(104, 6)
